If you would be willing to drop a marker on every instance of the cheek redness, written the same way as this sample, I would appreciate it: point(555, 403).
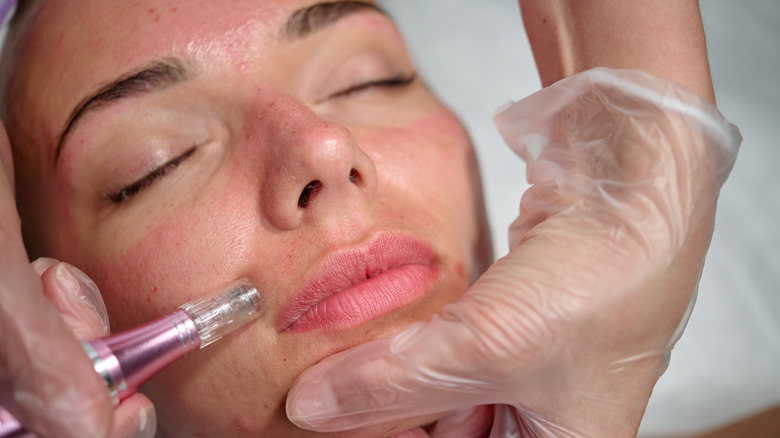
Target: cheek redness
point(155, 274)
point(434, 133)
point(186, 251)
point(147, 280)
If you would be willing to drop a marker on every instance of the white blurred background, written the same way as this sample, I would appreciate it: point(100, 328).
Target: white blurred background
point(475, 55)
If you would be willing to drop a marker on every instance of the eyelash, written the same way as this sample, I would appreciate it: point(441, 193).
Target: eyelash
point(127, 192)
point(133, 189)
point(400, 80)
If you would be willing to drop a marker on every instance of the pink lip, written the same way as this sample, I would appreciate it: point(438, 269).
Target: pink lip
point(357, 285)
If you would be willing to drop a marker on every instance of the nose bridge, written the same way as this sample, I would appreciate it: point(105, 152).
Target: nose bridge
point(314, 169)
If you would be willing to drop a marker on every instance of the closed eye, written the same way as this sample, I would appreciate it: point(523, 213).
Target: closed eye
point(398, 81)
point(146, 181)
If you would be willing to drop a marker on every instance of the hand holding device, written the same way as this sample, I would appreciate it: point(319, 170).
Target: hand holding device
point(128, 359)
point(568, 332)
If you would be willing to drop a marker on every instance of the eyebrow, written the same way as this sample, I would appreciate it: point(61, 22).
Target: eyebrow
point(167, 72)
point(311, 19)
point(156, 76)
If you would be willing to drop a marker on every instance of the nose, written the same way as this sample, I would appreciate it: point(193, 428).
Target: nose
point(314, 170)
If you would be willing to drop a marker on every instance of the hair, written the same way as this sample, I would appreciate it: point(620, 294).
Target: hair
point(10, 47)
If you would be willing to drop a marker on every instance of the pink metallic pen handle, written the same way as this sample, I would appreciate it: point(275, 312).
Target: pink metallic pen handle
point(11, 428)
point(128, 359)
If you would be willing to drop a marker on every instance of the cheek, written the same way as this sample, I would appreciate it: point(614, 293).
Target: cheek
point(424, 176)
point(432, 162)
point(431, 156)
point(185, 254)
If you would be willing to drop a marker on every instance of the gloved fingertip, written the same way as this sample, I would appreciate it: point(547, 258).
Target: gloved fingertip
point(79, 285)
point(312, 405)
point(148, 425)
point(141, 425)
point(42, 264)
point(73, 414)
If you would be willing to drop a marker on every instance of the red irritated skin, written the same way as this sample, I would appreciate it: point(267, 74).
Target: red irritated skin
point(171, 147)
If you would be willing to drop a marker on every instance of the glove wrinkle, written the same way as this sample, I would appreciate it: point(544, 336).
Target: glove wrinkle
point(571, 329)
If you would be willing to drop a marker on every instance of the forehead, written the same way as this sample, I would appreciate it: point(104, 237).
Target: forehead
point(95, 37)
point(71, 46)
point(127, 30)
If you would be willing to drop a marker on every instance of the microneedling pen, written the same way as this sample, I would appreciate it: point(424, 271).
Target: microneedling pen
point(128, 359)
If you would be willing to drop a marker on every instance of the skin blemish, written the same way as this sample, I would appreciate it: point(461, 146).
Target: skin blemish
point(156, 18)
point(244, 424)
point(149, 297)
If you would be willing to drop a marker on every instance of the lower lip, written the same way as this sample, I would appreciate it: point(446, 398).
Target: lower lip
point(369, 299)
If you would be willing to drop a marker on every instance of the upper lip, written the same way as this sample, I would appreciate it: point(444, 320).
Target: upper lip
point(345, 268)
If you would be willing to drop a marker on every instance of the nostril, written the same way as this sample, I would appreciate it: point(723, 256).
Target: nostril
point(314, 186)
point(310, 190)
point(354, 177)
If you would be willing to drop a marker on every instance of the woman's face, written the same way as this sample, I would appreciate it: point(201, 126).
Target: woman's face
point(171, 147)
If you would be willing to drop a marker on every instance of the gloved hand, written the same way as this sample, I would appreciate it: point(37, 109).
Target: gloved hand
point(574, 326)
point(46, 380)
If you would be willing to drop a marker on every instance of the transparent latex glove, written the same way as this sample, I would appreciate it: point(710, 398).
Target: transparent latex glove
point(569, 332)
point(46, 379)
point(63, 413)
